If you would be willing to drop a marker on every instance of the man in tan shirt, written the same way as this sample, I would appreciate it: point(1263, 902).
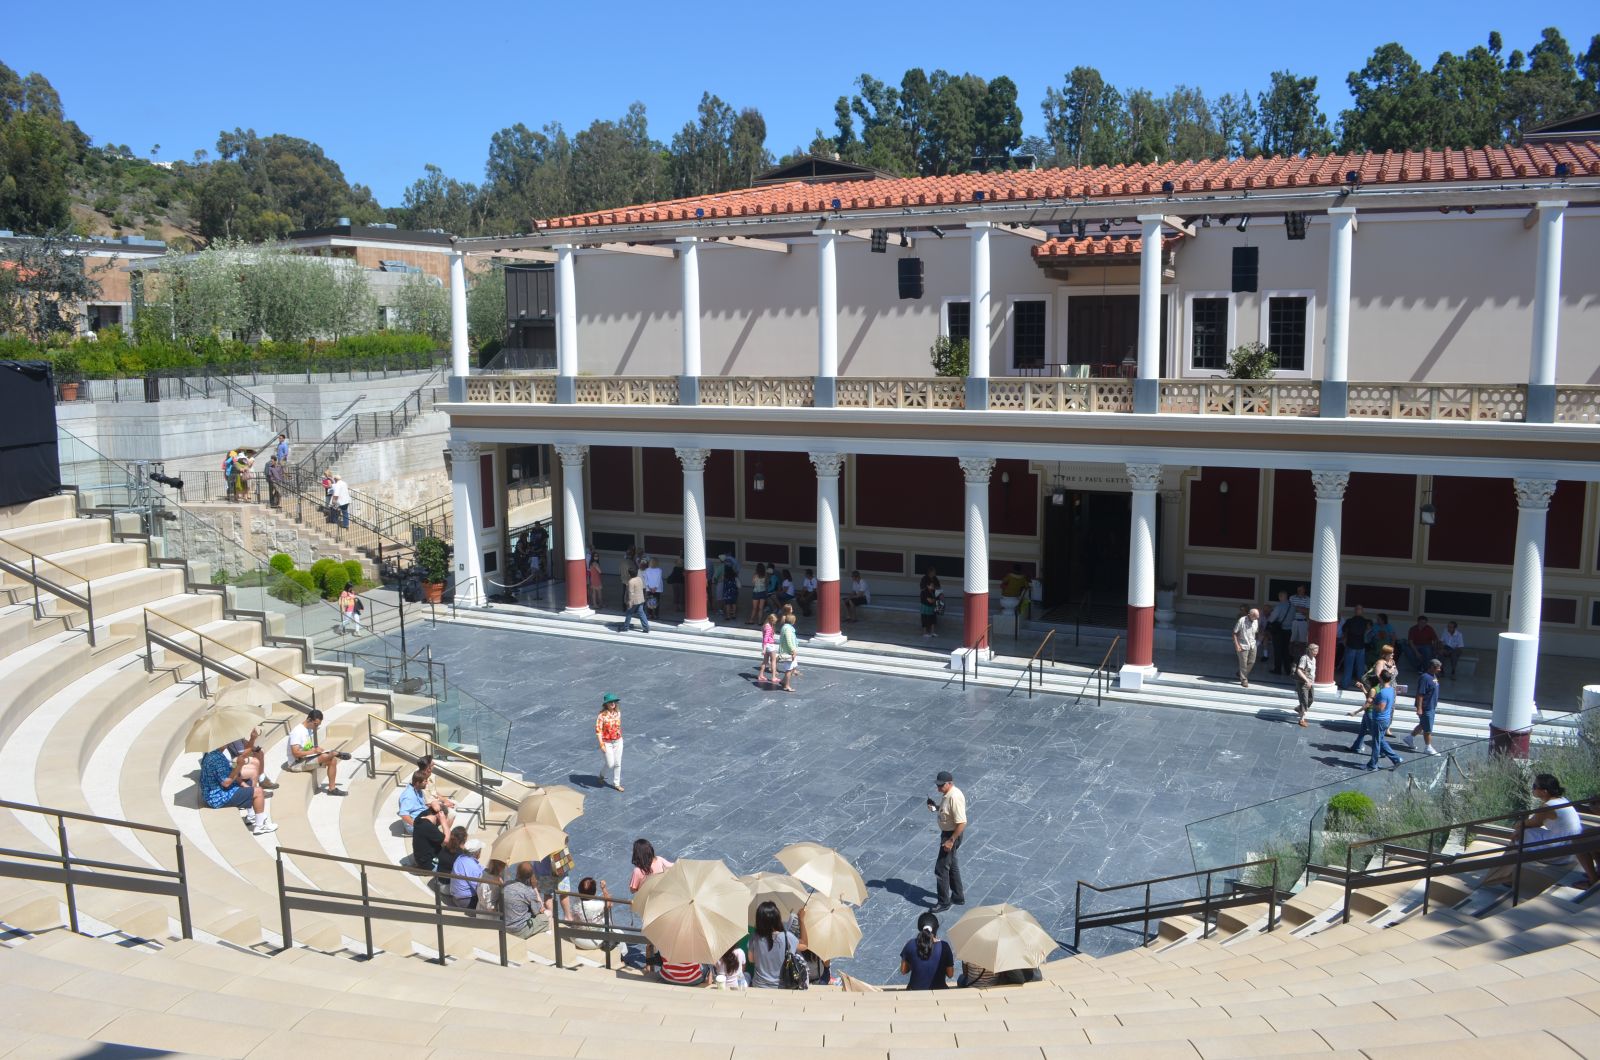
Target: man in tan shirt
point(952, 812)
point(633, 600)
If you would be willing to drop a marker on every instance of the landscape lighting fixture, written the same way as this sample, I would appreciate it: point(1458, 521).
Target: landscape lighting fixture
point(1294, 224)
point(1244, 222)
point(880, 240)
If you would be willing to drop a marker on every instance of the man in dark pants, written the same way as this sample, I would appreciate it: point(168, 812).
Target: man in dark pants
point(952, 811)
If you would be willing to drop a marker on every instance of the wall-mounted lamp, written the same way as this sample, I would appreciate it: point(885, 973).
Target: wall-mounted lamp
point(759, 483)
point(1059, 498)
point(1005, 478)
point(1427, 515)
point(1222, 487)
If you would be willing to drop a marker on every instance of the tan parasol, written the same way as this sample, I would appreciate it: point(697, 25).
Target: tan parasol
point(831, 928)
point(693, 911)
point(527, 842)
point(253, 693)
point(220, 726)
point(1000, 938)
point(555, 805)
point(825, 870)
point(786, 892)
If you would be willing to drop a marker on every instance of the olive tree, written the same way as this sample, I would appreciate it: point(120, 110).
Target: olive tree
point(195, 296)
point(486, 306)
point(423, 307)
point(288, 297)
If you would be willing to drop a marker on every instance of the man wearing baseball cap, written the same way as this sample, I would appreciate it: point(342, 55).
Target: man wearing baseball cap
point(952, 812)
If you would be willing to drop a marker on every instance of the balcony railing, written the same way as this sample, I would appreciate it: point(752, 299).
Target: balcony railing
point(1450, 402)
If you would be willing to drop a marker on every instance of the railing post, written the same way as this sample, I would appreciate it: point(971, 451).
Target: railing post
point(1516, 879)
point(366, 911)
point(1205, 911)
point(185, 922)
point(283, 906)
point(1345, 919)
point(555, 927)
point(438, 917)
point(66, 868)
point(1144, 938)
point(1077, 914)
point(505, 954)
point(1272, 899)
point(372, 754)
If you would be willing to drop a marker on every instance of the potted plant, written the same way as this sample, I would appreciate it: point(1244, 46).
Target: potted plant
point(1251, 361)
point(435, 564)
point(68, 368)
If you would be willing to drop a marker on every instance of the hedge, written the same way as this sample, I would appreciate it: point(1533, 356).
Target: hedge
point(112, 356)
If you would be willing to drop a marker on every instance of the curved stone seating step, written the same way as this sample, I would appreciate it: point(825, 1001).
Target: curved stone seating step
point(44, 510)
point(89, 563)
point(59, 535)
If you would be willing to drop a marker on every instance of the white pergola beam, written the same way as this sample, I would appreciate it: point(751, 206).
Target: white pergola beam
point(1037, 235)
point(1178, 224)
point(642, 249)
point(750, 243)
point(524, 254)
point(1530, 218)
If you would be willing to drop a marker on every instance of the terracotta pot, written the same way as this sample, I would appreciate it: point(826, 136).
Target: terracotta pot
point(433, 592)
point(69, 391)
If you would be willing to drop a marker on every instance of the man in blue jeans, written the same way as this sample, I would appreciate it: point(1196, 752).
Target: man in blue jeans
point(1427, 704)
point(633, 600)
point(1381, 712)
point(1353, 635)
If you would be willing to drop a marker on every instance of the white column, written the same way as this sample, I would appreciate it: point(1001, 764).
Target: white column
point(1516, 671)
point(1546, 312)
point(1168, 567)
point(828, 466)
point(1145, 481)
point(827, 316)
point(566, 324)
point(1527, 570)
point(459, 362)
point(1336, 363)
point(975, 582)
point(467, 521)
point(689, 267)
point(1147, 384)
point(981, 315)
point(1325, 557)
point(574, 536)
point(694, 538)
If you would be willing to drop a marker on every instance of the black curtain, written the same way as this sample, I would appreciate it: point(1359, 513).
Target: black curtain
point(29, 466)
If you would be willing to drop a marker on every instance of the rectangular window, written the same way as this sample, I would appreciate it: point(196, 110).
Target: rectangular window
point(1027, 334)
point(958, 320)
point(1286, 331)
point(1208, 333)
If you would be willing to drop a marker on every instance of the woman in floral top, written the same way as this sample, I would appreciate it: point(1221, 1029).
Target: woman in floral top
point(769, 650)
point(608, 731)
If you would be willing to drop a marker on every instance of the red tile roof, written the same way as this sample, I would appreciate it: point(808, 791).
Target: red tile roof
point(1093, 247)
point(1313, 171)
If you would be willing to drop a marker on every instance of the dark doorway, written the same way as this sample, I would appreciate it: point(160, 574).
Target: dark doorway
point(1086, 553)
point(1103, 332)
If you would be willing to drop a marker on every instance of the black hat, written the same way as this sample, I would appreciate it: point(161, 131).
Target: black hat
point(944, 777)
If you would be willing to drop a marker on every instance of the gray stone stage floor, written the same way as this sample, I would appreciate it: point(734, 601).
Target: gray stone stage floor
point(716, 767)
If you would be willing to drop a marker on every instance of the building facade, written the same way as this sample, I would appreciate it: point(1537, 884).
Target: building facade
point(751, 372)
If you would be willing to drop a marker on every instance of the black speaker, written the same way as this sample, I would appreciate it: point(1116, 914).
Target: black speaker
point(910, 277)
point(1246, 268)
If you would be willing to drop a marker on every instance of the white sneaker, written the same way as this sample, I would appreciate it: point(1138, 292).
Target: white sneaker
point(1410, 745)
point(1430, 750)
point(266, 825)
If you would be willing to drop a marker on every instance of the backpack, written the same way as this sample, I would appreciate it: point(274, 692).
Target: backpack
point(793, 974)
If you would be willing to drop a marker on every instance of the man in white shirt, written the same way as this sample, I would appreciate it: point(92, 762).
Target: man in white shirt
point(951, 809)
point(1246, 636)
point(1450, 644)
point(306, 754)
point(340, 499)
point(808, 592)
point(1305, 682)
point(654, 586)
point(860, 596)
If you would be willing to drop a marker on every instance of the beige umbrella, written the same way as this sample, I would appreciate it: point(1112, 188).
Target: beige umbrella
point(252, 693)
point(825, 870)
point(786, 892)
point(220, 726)
point(556, 805)
point(693, 911)
point(1000, 938)
point(527, 842)
point(831, 928)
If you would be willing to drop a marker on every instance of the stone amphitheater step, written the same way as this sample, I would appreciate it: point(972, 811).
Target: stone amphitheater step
point(352, 543)
point(1004, 673)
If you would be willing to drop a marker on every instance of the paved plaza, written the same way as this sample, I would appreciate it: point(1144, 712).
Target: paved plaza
point(716, 767)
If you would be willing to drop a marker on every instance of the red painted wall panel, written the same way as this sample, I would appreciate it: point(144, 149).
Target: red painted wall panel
point(611, 478)
point(663, 482)
point(1014, 505)
point(1218, 520)
point(1378, 514)
point(1394, 599)
point(1239, 587)
point(791, 487)
point(911, 492)
point(1562, 610)
point(1477, 522)
point(663, 547)
point(872, 560)
point(719, 484)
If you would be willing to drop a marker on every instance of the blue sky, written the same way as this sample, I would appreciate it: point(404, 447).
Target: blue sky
point(387, 88)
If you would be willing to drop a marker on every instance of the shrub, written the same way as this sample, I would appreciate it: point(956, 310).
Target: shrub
point(1348, 811)
point(433, 558)
point(950, 357)
point(282, 563)
point(295, 587)
point(329, 576)
point(1251, 361)
point(353, 572)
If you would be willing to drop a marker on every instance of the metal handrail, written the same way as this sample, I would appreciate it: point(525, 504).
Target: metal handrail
point(446, 752)
point(1036, 657)
point(582, 929)
point(197, 655)
point(1100, 675)
point(1241, 894)
point(1437, 863)
point(983, 642)
point(70, 871)
point(335, 445)
point(380, 907)
point(32, 576)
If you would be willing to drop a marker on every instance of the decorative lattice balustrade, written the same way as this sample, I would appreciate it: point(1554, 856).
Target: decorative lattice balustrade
point(1241, 397)
point(758, 392)
point(1578, 404)
point(939, 393)
point(625, 390)
point(1438, 401)
point(510, 389)
point(1061, 395)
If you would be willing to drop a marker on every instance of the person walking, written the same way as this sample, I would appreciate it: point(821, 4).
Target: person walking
point(341, 502)
point(927, 604)
point(769, 650)
point(788, 651)
point(281, 451)
point(349, 608)
point(1427, 704)
point(1382, 709)
point(633, 601)
point(1278, 632)
point(728, 594)
point(608, 731)
point(1246, 637)
point(1353, 635)
point(951, 810)
point(275, 482)
point(596, 581)
point(1305, 680)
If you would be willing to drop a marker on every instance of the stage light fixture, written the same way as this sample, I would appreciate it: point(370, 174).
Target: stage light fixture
point(1244, 222)
point(1294, 224)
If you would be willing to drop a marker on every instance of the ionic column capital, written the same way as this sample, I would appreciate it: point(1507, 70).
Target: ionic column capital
point(1144, 477)
point(1534, 493)
point(692, 458)
point(463, 452)
point(1330, 484)
point(977, 469)
point(1171, 496)
point(828, 465)
point(572, 456)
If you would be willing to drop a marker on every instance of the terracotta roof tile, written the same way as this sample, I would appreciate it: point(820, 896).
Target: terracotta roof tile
point(1095, 247)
